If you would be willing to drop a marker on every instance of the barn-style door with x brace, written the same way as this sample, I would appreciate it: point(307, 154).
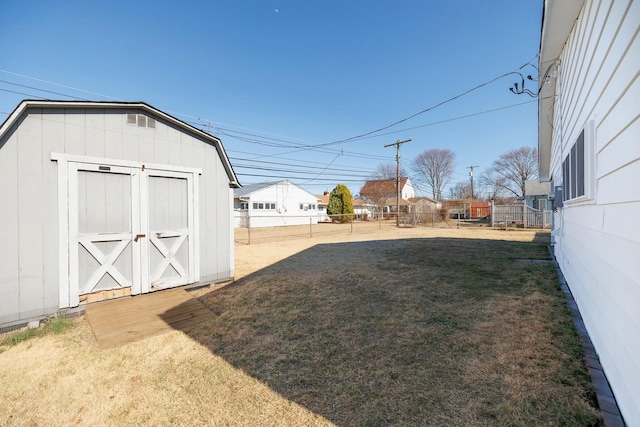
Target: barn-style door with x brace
point(129, 225)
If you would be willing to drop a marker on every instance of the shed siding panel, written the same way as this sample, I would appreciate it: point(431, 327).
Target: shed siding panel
point(94, 134)
point(113, 123)
point(30, 208)
point(174, 147)
point(130, 147)
point(146, 150)
point(54, 140)
point(597, 244)
point(207, 221)
point(74, 132)
point(224, 225)
point(9, 273)
point(161, 146)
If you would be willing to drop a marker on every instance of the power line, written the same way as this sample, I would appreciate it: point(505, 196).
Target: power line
point(42, 90)
point(300, 166)
point(301, 178)
point(272, 169)
point(425, 110)
point(59, 85)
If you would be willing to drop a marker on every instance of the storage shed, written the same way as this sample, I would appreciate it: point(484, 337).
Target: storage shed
point(107, 199)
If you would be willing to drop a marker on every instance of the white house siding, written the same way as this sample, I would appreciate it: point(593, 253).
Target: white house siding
point(29, 253)
point(408, 192)
point(597, 240)
point(287, 198)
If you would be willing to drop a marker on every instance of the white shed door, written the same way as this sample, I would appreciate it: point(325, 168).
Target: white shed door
point(102, 253)
point(170, 245)
point(130, 227)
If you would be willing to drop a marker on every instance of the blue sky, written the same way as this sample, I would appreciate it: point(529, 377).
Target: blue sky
point(274, 79)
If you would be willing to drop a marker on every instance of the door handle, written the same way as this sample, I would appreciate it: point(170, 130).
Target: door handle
point(139, 236)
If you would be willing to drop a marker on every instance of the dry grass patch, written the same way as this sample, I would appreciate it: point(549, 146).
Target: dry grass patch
point(394, 327)
point(170, 379)
point(436, 331)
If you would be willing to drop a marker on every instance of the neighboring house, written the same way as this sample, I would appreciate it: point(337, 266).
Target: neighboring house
point(382, 194)
point(537, 195)
point(107, 199)
point(273, 204)
point(323, 202)
point(361, 208)
point(589, 122)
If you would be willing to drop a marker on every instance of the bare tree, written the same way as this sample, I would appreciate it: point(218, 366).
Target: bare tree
point(461, 190)
point(387, 171)
point(434, 169)
point(507, 175)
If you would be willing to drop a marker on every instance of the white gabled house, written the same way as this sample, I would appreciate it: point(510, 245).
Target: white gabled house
point(589, 147)
point(107, 199)
point(382, 196)
point(274, 204)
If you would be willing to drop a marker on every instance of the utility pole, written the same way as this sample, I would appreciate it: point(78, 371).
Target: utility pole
point(471, 175)
point(398, 143)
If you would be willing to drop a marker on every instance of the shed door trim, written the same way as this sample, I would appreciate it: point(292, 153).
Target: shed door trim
point(68, 166)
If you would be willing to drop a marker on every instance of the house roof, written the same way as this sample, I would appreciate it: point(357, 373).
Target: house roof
point(382, 186)
point(558, 19)
point(26, 104)
point(323, 199)
point(247, 190)
point(426, 199)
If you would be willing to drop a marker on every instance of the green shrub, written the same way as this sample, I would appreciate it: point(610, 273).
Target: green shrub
point(340, 207)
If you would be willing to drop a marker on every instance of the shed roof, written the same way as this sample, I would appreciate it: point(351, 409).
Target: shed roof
point(26, 104)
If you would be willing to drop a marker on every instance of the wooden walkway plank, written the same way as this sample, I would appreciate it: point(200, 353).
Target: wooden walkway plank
point(118, 322)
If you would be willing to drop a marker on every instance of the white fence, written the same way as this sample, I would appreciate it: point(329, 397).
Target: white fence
point(523, 215)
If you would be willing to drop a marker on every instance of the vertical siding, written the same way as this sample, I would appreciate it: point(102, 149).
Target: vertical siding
point(53, 130)
point(598, 241)
point(9, 289)
point(113, 134)
point(30, 208)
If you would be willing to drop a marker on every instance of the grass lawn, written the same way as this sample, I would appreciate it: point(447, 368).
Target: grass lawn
point(443, 328)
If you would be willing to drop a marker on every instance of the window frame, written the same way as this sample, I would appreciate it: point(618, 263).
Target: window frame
point(578, 172)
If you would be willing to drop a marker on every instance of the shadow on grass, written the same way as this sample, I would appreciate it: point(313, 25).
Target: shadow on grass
point(408, 332)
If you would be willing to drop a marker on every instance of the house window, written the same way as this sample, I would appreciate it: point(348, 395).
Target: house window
point(244, 206)
point(573, 170)
point(264, 206)
point(141, 120)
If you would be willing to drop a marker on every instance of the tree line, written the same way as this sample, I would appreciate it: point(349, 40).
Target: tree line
point(432, 170)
